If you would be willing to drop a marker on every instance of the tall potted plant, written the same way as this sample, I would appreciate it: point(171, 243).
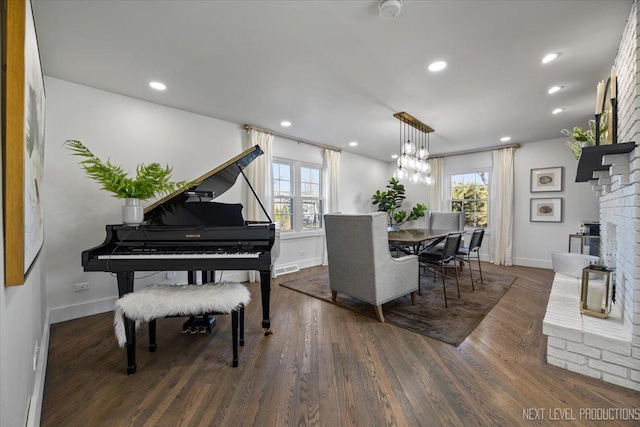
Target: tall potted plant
point(151, 180)
point(390, 202)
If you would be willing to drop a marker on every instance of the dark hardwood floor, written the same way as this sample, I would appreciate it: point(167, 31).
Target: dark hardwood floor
point(325, 366)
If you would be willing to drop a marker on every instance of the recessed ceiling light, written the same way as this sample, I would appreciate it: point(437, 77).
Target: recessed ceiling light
point(554, 89)
point(285, 124)
point(557, 111)
point(437, 66)
point(395, 156)
point(157, 85)
point(505, 138)
point(549, 57)
point(353, 143)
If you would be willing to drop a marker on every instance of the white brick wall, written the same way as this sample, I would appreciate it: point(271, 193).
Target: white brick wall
point(609, 349)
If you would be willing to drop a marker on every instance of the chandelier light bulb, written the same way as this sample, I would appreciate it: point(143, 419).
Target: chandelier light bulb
point(423, 153)
point(415, 178)
point(424, 167)
point(409, 147)
point(429, 180)
point(400, 173)
point(405, 160)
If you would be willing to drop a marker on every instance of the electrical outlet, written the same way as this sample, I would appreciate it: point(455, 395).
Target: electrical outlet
point(171, 274)
point(302, 252)
point(81, 286)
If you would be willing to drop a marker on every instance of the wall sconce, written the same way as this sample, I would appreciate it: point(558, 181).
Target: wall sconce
point(594, 295)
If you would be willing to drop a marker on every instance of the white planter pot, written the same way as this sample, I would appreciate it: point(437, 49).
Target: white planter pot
point(132, 212)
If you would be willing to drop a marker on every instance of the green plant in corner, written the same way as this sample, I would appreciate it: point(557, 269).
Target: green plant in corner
point(390, 202)
point(585, 137)
point(151, 180)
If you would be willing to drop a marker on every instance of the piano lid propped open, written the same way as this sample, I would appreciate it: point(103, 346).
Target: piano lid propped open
point(215, 182)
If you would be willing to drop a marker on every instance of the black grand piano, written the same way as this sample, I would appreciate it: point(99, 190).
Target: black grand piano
point(188, 231)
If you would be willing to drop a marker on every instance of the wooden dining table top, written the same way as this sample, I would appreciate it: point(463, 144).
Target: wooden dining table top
point(417, 235)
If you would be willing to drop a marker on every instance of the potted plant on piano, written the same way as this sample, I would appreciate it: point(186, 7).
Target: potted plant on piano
point(151, 180)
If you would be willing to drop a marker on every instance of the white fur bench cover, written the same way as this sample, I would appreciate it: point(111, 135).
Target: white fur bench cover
point(157, 301)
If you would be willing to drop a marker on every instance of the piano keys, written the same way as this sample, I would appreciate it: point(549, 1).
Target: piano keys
point(188, 231)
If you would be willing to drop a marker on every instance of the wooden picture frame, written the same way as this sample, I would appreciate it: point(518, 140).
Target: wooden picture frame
point(546, 179)
point(545, 210)
point(23, 103)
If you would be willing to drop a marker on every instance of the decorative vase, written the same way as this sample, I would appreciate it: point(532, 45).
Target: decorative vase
point(132, 212)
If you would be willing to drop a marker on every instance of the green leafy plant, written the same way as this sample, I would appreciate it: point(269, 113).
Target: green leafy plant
point(390, 202)
point(151, 180)
point(585, 137)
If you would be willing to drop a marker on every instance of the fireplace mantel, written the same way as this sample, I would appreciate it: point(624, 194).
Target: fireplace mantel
point(591, 158)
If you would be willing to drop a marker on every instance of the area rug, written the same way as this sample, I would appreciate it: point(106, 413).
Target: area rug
point(429, 316)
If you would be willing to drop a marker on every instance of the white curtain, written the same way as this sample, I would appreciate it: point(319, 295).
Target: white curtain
point(436, 196)
point(501, 207)
point(330, 175)
point(260, 175)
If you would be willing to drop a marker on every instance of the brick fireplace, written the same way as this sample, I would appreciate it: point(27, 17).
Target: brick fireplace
point(609, 349)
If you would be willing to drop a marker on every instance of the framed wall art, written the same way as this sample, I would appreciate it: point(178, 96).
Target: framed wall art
point(546, 210)
point(546, 179)
point(23, 99)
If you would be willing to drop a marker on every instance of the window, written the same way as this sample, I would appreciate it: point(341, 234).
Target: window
point(297, 202)
point(470, 193)
point(283, 194)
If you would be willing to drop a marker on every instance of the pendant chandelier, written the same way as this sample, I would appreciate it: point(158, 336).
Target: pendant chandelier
point(414, 151)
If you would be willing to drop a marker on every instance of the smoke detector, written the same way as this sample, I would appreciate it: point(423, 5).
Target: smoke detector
point(389, 9)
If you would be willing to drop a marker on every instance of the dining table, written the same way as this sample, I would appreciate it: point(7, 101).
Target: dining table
point(416, 240)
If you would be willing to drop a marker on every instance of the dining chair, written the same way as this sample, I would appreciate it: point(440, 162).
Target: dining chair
point(473, 248)
point(446, 258)
point(360, 264)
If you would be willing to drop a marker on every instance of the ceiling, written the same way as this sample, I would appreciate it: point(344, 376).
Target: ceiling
point(338, 71)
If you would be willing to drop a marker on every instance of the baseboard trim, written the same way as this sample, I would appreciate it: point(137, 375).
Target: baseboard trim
point(35, 403)
point(528, 262)
point(76, 311)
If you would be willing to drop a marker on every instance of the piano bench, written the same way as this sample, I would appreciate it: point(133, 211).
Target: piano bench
point(159, 301)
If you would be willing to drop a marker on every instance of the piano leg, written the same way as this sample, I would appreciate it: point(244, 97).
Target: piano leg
point(152, 335)
point(125, 282)
point(241, 309)
point(130, 331)
point(265, 291)
point(125, 285)
point(234, 335)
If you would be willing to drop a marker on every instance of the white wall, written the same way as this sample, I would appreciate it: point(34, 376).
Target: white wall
point(535, 241)
point(360, 177)
point(128, 131)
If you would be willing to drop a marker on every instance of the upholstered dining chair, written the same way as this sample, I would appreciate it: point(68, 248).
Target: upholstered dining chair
point(360, 264)
point(446, 258)
point(450, 221)
point(464, 253)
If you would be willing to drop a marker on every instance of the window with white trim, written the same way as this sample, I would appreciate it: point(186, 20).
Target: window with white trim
point(297, 190)
point(470, 193)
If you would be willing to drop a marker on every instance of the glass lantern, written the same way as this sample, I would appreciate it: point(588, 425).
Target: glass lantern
point(595, 291)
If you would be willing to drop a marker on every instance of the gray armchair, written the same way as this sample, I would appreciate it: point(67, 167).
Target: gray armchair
point(360, 264)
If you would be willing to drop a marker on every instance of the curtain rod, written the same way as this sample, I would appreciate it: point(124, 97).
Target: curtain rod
point(282, 135)
point(477, 150)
